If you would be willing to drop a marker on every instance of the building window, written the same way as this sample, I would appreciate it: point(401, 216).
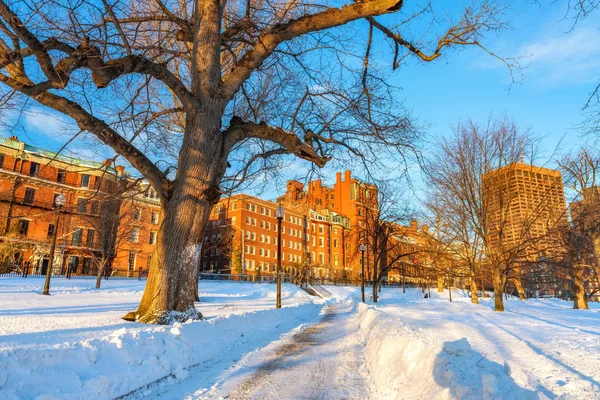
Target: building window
point(321, 242)
point(137, 214)
point(336, 259)
point(50, 231)
point(34, 169)
point(85, 268)
point(85, 180)
point(23, 227)
point(54, 200)
point(1, 161)
point(320, 228)
point(131, 262)
point(154, 219)
point(61, 176)
point(77, 237)
point(73, 263)
point(95, 207)
point(152, 237)
point(135, 235)
point(29, 195)
point(321, 258)
point(81, 205)
point(89, 239)
point(335, 243)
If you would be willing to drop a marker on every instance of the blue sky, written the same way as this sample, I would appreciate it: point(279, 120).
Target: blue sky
point(561, 66)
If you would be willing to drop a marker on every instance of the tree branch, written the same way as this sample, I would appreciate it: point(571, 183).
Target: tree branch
point(280, 33)
point(106, 134)
point(239, 130)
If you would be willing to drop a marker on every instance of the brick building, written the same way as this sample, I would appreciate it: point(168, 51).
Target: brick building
point(140, 217)
point(107, 215)
point(30, 180)
point(321, 230)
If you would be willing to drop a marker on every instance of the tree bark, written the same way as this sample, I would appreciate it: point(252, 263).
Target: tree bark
point(474, 298)
point(518, 284)
point(498, 285)
point(580, 301)
point(170, 290)
point(100, 274)
point(440, 284)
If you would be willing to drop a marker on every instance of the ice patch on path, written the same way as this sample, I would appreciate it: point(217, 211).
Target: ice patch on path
point(406, 364)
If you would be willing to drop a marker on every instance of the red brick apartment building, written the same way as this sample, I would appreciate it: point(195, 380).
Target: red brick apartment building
point(89, 226)
point(321, 230)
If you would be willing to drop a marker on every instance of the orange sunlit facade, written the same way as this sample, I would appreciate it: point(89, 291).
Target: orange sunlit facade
point(98, 219)
point(320, 235)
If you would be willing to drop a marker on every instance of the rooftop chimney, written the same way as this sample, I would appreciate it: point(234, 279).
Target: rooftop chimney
point(120, 170)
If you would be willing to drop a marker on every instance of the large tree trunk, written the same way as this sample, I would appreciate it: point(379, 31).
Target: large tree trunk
point(171, 287)
point(440, 284)
point(579, 288)
point(498, 286)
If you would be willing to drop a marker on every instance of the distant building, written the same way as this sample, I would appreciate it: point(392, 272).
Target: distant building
point(320, 236)
point(525, 206)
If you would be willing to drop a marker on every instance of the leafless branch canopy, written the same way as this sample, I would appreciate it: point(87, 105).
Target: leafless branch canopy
point(284, 77)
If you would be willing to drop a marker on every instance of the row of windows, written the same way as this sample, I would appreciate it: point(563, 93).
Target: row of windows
point(135, 236)
point(251, 250)
point(137, 215)
point(61, 176)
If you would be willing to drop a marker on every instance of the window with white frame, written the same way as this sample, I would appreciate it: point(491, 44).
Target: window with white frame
point(135, 234)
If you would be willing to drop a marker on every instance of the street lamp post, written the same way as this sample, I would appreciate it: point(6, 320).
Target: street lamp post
point(59, 202)
point(362, 276)
point(279, 216)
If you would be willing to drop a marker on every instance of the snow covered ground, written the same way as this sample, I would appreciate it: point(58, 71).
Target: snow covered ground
point(74, 345)
point(431, 348)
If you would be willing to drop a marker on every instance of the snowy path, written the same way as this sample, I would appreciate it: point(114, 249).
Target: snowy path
point(321, 361)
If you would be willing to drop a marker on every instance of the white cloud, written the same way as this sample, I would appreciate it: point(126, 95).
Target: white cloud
point(45, 122)
point(564, 57)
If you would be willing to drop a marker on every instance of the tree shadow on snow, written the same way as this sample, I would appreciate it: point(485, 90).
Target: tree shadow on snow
point(467, 374)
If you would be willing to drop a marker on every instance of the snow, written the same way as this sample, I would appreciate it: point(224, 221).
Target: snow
point(74, 345)
point(537, 349)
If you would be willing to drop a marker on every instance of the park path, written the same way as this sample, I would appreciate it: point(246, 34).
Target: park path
point(322, 361)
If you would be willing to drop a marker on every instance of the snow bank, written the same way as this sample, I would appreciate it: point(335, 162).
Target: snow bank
point(114, 365)
point(409, 364)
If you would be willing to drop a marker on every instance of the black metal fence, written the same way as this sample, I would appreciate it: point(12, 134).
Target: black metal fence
point(91, 273)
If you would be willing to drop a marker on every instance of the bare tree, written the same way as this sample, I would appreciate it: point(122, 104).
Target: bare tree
point(476, 213)
point(581, 239)
point(388, 242)
point(197, 95)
